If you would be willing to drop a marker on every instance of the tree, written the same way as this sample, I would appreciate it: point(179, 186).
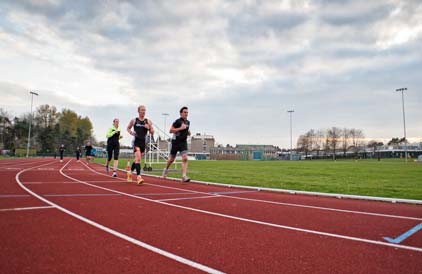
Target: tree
point(5, 129)
point(84, 130)
point(303, 144)
point(357, 139)
point(46, 116)
point(68, 122)
point(375, 144)
point(345, 139)
point(334, 135)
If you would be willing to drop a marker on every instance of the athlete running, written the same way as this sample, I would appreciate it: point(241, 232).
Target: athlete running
point(139, 128)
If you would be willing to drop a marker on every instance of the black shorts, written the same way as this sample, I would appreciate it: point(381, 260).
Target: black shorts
point(177, 146)
point(113, 149)
point(139, 143)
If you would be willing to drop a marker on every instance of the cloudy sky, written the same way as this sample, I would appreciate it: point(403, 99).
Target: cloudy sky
point(238, 65)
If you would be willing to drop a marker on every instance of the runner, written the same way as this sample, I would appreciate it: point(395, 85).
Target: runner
point(78, 153)
point(61, 151)
point(141, 126)
point(88, 152)
point(180, 130)
point(113, 146)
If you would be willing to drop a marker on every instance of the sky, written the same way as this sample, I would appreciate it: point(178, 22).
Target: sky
point(238, 65)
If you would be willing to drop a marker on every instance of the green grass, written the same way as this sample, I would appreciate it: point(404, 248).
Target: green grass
point(387, 178)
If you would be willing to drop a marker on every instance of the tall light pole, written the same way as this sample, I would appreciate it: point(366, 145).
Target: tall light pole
point(165, 118)
point(404, 121)
point(30, 123)
point(291, 136)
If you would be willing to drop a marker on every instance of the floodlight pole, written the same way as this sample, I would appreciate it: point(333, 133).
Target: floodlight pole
point(30, 123)
point(165, 119)
point(291, 136)
point(404, 121)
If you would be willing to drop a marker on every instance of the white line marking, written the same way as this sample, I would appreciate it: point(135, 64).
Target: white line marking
point(46, 182)
point(64, 182)
point(282, 203)
point(162, 194)
point(291, 204)
point(14, 196)
point(188, 198)
point(254, 221)
point(25, 208)
point(79, 195)
point(118, 234)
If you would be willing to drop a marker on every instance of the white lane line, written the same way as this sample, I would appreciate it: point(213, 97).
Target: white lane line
point(296, 205)
point(281, 203)
point(14, 196)
point(188, 198)
point(46, 182)
point(64, 182)
point(118, 234)
point(356, 239)
point(163, 194)
point(25, 208)
point(79, 195)
point(10, 164)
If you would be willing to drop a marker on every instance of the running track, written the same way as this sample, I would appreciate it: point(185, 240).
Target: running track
point(73, 218)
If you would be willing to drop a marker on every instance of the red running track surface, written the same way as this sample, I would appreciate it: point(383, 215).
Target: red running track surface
point(232, 231)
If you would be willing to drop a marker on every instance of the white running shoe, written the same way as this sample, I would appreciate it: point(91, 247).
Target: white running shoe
point(165, 171)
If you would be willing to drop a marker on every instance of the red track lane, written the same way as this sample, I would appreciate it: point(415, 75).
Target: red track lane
point(349, 224)
point(48, 241)
point(343, 204)
point(229, 245)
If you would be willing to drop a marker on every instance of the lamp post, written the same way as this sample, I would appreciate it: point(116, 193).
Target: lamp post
point(404, 121)
point(291, 137)
point(30, 123)
point(165, 119)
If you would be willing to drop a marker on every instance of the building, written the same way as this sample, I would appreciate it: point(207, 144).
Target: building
point(201, 143)
point(245, 152)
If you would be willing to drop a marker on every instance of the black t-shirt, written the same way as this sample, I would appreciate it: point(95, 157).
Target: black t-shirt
point(88, 150)
point(139, 128)
point(181, 136)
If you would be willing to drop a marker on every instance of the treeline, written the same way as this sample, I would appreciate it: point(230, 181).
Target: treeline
point(50, 128)
point(331, 141)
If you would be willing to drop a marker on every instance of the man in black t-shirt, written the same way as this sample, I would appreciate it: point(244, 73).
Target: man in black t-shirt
point(88, 152)
point(61, 151)
point(78, 153)
point(179, 143)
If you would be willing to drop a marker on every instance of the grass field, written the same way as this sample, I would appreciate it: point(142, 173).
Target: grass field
point(387, 178)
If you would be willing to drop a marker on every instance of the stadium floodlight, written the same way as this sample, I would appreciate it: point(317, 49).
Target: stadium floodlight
point(404, 121)
point(291, 136)
point(30, 123)
point(165, 119)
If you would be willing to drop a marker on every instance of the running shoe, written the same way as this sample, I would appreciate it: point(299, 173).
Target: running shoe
point(185, 179)
point(107, 169)
point(114, 174)
point(139, 180)
point(165, 171)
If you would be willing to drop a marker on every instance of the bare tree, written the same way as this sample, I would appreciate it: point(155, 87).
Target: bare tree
point(319, 137)
point(357, 137)
point(304, 143)
point(334, 135)
point(345, 140)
